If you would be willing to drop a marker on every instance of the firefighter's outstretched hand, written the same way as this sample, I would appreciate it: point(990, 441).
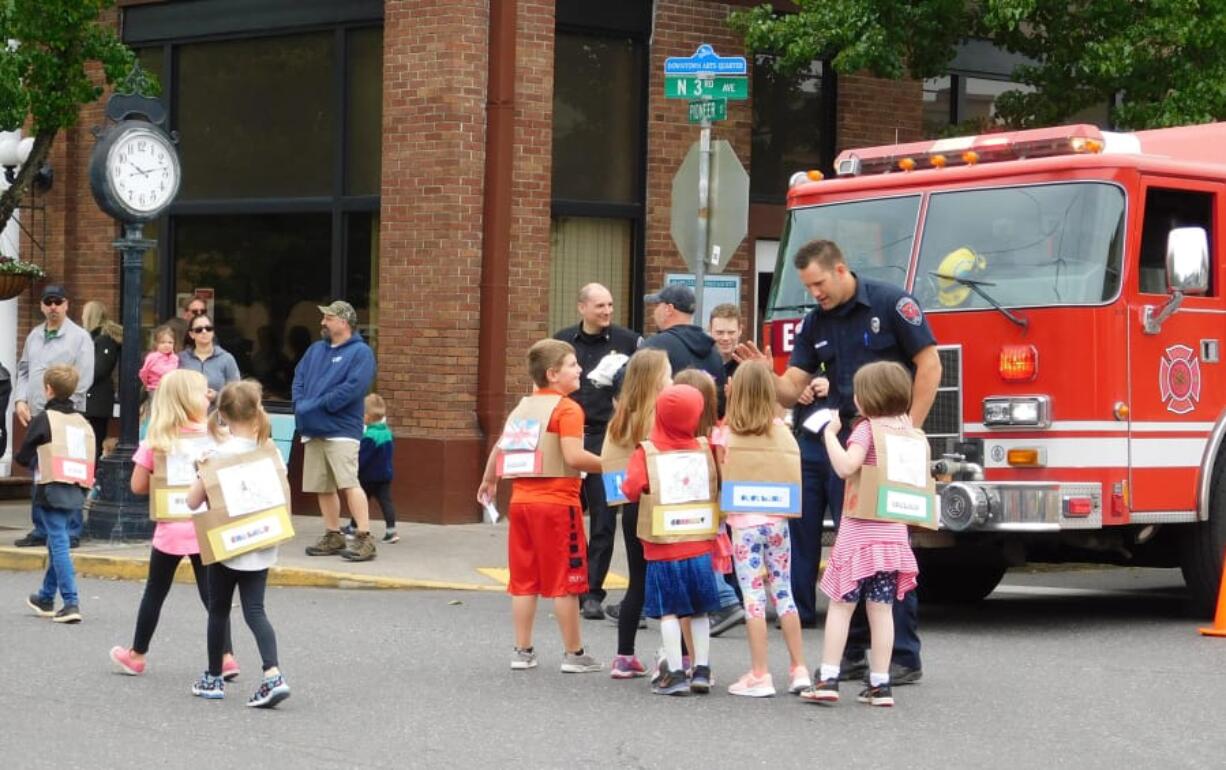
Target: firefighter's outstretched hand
point(748, 351)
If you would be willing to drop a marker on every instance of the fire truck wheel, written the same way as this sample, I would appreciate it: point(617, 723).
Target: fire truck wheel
point(1202, 548)
point(957, 584)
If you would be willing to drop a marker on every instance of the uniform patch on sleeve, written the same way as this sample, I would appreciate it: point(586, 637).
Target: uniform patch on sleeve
point(910, 311)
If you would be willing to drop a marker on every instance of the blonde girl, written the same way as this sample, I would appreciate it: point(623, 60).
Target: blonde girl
point(871, 560)
point(761, 544)
point(646, 375)
point(247, 427)
point(177, 422)
point(163, 359)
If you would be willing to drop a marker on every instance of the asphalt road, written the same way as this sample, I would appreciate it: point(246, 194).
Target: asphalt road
point(1086, 669)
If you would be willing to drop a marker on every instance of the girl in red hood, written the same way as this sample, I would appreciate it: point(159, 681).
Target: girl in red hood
point(680, 576)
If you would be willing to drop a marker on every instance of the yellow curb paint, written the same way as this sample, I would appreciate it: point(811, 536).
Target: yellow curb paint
point(503, 576)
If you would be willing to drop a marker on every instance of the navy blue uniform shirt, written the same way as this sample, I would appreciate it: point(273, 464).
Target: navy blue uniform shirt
point(880, 323)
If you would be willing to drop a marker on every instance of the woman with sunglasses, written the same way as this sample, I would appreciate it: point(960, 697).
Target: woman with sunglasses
point(207, 357)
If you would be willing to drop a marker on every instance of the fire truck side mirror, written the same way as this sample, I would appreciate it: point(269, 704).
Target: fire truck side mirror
point(1187, 261)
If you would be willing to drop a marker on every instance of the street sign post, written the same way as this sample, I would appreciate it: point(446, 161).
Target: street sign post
point(703, 227)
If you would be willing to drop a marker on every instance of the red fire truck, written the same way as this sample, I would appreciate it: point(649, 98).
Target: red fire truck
point(1074, 280)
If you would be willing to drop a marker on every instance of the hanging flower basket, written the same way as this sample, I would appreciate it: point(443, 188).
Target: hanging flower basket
point(15, 276)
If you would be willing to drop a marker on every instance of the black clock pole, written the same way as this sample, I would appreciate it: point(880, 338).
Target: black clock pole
point(118, 514)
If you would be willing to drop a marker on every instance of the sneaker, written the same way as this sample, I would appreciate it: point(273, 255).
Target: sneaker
point(671, 683)
point(877, 696)
point(348, 530)
point(390, 537)
point(662, 664)
point(579, 663)
point(125, 663)
point(626, 667)
point(592, 609)
point(753, 686)
point(725, 618)
point(900, 674)
point(328, 544)
point(523, 659)
point(29, 541)
point(825, 691)
point(272, 691)
point(801, 680)
point(69, 613)
point(614, 612)
point(701, 680)
point(209, 686)
point(44, 608)
point(853, 670)
point(229, 669)
point(363, 548)
point(74, 542)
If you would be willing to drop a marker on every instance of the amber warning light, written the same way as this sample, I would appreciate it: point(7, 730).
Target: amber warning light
point(1019, 363)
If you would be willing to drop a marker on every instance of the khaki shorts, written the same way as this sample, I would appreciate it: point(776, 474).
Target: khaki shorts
point(329, 465)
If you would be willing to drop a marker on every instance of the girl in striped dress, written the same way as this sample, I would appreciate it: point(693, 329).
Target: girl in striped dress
point(871, 560)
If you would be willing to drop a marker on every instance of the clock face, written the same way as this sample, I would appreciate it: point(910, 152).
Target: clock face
point(143, 171)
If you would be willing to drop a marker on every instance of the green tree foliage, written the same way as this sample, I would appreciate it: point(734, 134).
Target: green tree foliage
point(45, 73)
point(1165, 59)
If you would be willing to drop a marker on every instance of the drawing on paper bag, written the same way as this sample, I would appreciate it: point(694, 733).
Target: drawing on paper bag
point(683, 477)
point(250, 487)
point(74, 440)
point(906, 460)
point(521, 434)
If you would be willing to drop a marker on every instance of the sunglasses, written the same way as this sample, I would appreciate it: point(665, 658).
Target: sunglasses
point(201, 329)
point(198, 310)
point(54, 301)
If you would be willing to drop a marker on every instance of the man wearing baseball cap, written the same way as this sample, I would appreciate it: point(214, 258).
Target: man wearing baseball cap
point(57, 340)
point(687, 346)
point(330, 383)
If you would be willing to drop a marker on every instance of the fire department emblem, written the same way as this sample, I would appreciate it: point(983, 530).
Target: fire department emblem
point(1179, 379)
point(910, 311)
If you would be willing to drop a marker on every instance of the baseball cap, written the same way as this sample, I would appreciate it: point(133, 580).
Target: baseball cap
point(342, 310)
point(54, 290)
point(680, 297)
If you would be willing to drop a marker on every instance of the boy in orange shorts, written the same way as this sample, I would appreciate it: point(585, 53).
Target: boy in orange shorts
point(541, 449)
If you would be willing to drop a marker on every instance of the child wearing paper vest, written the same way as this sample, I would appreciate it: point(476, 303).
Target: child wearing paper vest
point(59, 448)
point(871, 559)
point(761, 489)
point(177, 437)
point(666, 473)
point(541, 450)
point(375, 465)
point(239, 405)
point(163, 359)
point(647, 373)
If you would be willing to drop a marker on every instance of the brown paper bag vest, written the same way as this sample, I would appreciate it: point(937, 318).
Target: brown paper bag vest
point(68, 458)
point(888, 491)
point(528, 449)
point(675, 510)
point(249, 504)
point(761, 474)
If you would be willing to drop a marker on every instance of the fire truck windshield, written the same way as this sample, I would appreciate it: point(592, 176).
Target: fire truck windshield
point(1036, 245)
point(875, 236)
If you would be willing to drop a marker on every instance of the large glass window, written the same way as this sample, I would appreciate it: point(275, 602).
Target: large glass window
point(791, 127)
point(1058, 244)
point(964, 104)
point(280, 144)
point(584, 250)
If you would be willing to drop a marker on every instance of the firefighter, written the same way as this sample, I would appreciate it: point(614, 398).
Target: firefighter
point(857, 321)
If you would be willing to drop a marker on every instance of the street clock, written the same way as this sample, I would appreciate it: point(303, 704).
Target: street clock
point(134, 171)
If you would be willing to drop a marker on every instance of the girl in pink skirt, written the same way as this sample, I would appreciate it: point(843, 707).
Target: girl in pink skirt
point(871, 560)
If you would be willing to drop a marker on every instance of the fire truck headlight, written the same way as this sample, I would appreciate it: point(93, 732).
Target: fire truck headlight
point(1017, 412)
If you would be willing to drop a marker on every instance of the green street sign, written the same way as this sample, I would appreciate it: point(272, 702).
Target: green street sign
point(709, 109)
point(689, 87)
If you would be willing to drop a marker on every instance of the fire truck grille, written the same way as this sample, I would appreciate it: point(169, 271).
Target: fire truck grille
point(944, 422)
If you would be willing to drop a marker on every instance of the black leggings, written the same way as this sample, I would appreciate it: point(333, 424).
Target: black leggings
point(222, 581)
point(382, 491)
point(162, 567)
point(632, 602)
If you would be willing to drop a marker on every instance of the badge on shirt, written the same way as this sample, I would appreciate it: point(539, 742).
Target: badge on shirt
point(874, 324)
point(910, 311)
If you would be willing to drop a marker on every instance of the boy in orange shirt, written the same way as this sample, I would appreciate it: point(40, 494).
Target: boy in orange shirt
point(546, 545)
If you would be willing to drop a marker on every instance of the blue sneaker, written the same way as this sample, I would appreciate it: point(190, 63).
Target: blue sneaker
point(272, 691)
point(348, 530)
point(210, 687)
point(671, 683)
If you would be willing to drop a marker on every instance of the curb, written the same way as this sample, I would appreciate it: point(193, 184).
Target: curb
point(123, 568)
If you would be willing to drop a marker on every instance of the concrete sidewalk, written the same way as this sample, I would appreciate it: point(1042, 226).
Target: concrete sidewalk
point(470, 557)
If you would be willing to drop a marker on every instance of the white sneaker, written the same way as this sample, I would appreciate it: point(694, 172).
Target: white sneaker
point(752, 686)
point(579, 664)
point(801, 680)
point(523, 659)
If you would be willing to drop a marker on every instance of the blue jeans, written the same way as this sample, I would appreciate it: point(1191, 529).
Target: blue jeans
point(75, 524)
point(60, 573)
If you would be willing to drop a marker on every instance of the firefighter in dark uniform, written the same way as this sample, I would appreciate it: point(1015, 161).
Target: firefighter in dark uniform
point(857, 321)
point(594, 338)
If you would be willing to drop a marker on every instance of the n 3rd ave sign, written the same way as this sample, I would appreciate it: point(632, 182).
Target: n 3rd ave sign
point(693, 87)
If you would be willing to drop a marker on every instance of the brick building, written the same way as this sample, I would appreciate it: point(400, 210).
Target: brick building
point(454, 168)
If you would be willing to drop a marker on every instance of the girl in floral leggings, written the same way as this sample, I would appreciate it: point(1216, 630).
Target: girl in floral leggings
point(761, 546)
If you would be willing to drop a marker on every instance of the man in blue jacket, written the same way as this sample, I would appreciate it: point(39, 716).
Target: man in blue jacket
point(330, 383)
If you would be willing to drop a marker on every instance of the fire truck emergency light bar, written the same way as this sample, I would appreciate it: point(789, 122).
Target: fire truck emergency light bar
point(969, 150)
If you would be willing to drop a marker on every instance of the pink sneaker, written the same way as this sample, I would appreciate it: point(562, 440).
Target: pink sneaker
point(753, 686)
point(125, 663)
point(229, 669)
point(626, 667)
